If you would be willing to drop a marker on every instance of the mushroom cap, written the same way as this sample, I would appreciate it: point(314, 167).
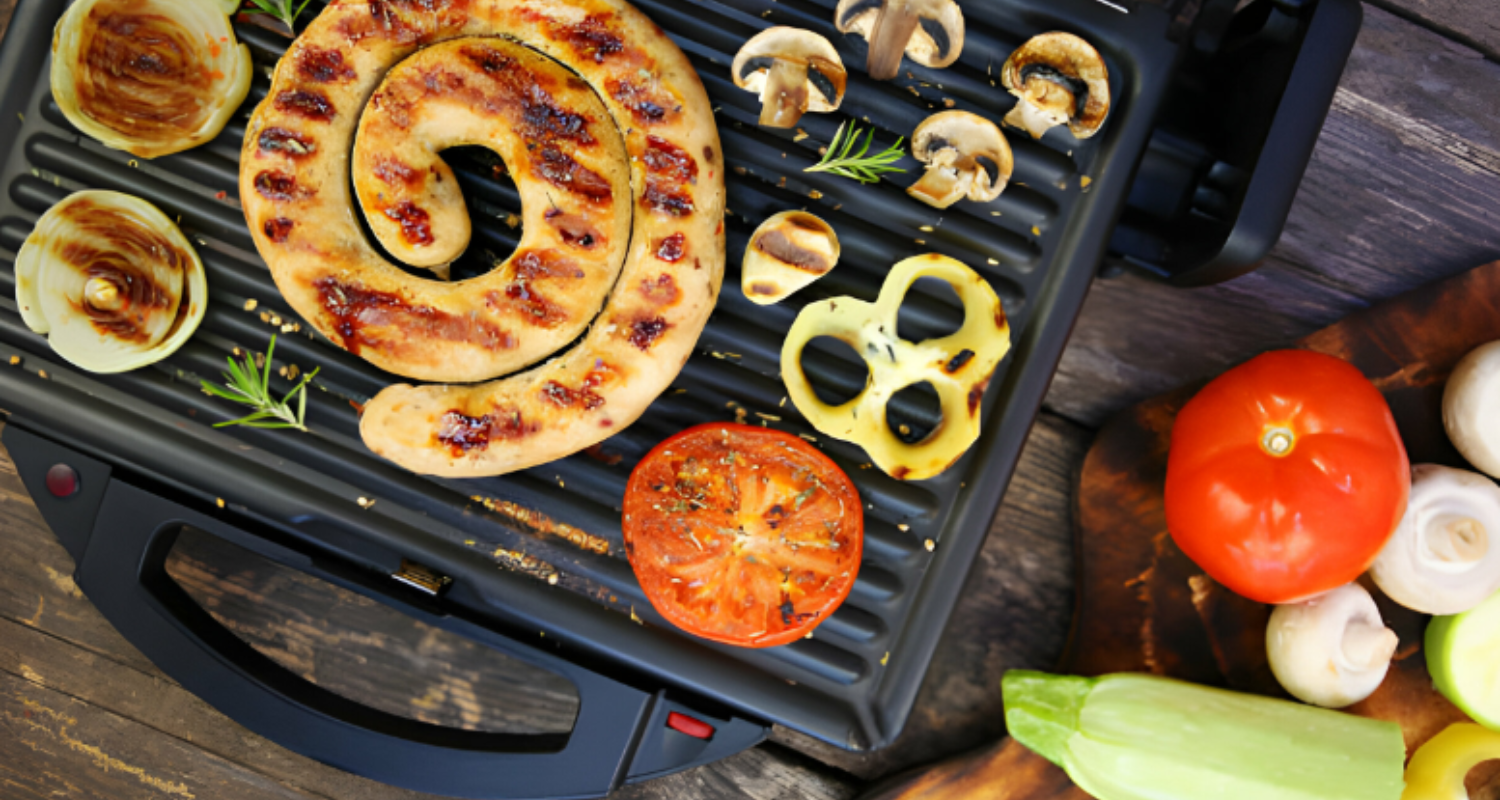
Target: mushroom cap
point(937, 41)
point(963, 141)
point(1036, 69)
point(825, 70)
point(787, 252)
point(1444, 556)
point(1332, 650)
point(1469, 403)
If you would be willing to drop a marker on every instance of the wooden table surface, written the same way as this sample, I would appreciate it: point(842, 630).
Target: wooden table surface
point(1403, 188)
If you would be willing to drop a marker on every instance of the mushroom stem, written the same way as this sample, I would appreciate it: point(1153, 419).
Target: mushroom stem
point(941, 185)
point(894, 25)
point(1368, 645)
point(784, 98)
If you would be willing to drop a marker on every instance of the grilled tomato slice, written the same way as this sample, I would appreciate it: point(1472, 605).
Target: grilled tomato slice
point(742, 535)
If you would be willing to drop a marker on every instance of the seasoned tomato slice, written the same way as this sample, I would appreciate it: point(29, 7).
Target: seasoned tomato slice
point(742, 535)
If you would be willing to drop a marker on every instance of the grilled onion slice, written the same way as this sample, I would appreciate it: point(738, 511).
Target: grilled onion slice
point(151, 77)
point(111, 281)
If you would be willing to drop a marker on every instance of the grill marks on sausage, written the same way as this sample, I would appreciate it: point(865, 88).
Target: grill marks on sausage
point(574, 230)
point(309, 104)
point(394, 172)
point(644, 331)
point(291, 144)
point(649, 107)
point(672, 248)
point(559, 169)
point(279, 187)
point(540, 116)
point(278, 229)
point(661, 291)
point(361, 314)
point(461, 433)
point(416, 224)
point(521, 294)
point(669, 171)
point(323, 66)
point(590, 38)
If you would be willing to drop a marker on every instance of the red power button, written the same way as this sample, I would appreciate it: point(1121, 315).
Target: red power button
point(62, 480)
point(683, 723)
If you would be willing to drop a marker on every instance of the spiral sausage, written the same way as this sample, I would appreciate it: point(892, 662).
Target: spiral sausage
point(294, 187)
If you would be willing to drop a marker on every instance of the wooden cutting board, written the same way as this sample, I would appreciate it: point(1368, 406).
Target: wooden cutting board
point(1144, 607)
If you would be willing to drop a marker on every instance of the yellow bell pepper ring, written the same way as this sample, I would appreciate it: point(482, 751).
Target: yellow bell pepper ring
point(1438, 768)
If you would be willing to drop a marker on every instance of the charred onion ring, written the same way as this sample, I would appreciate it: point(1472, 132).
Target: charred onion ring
point(111, 281)
point(293, 183)
point(150, 77)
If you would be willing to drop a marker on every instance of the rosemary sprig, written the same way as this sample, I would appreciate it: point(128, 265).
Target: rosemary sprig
point(245, 384)
point(285, 10)
point(841, 159)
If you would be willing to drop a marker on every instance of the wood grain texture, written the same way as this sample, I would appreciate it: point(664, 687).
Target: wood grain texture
point(1401, 190)
point(1145, 607)
point(1476, 24)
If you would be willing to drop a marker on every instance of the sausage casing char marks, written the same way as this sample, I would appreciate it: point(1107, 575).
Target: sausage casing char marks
point(652, 314)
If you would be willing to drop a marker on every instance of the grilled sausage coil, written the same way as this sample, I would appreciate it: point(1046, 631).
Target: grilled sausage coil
point(616, 157)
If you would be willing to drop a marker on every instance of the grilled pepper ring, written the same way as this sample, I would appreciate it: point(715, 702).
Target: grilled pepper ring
point(958, 366)
point(294, 179)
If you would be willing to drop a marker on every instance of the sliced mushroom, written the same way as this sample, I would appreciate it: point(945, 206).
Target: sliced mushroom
point(1059, 79)
point(788, 251)
point(1471, 408)
point(1331, 651)
point(1439, 560)
point(966, 156)
point(930, 31)
point(794, 71)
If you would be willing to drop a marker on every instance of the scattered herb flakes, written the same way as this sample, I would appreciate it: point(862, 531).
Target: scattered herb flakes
point(808, 437)
point(768, 417)
point(1085, 181)
point(1036, 231)
point(885, 659)
point(636, 618)
point(804, 496)
point(251, 304)
point(801, 134)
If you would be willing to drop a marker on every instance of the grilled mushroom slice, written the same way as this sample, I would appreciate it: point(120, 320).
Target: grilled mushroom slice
point(1060, 80)
point(930, 31)
point(794, 71)
point(788, 251)
point(966, 156)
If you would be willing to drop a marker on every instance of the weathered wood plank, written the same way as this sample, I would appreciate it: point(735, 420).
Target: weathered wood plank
point(52, 745)
point(1402, 190)
point(1476, 24)
point(1014, 613)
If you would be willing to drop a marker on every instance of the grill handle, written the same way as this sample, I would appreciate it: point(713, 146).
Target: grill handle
point(120, 536)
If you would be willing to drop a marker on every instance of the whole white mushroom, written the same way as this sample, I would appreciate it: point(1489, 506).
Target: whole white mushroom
point(1471, 408)
point(1330, 651)
point(1439, 559)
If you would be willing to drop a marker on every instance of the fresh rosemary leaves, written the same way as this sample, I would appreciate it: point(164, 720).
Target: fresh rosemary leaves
point(285, 10)
point(841, 158)
point(246, 385)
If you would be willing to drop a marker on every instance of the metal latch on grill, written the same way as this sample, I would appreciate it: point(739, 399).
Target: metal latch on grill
point(423, 579)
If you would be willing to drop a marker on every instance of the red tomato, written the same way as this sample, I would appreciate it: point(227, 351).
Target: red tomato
point(1286, 476)
point(742, 535)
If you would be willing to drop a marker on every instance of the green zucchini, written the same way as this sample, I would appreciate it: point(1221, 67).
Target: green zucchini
point(1141, 737)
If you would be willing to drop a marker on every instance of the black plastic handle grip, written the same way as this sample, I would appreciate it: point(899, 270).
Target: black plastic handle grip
point(123, 573)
